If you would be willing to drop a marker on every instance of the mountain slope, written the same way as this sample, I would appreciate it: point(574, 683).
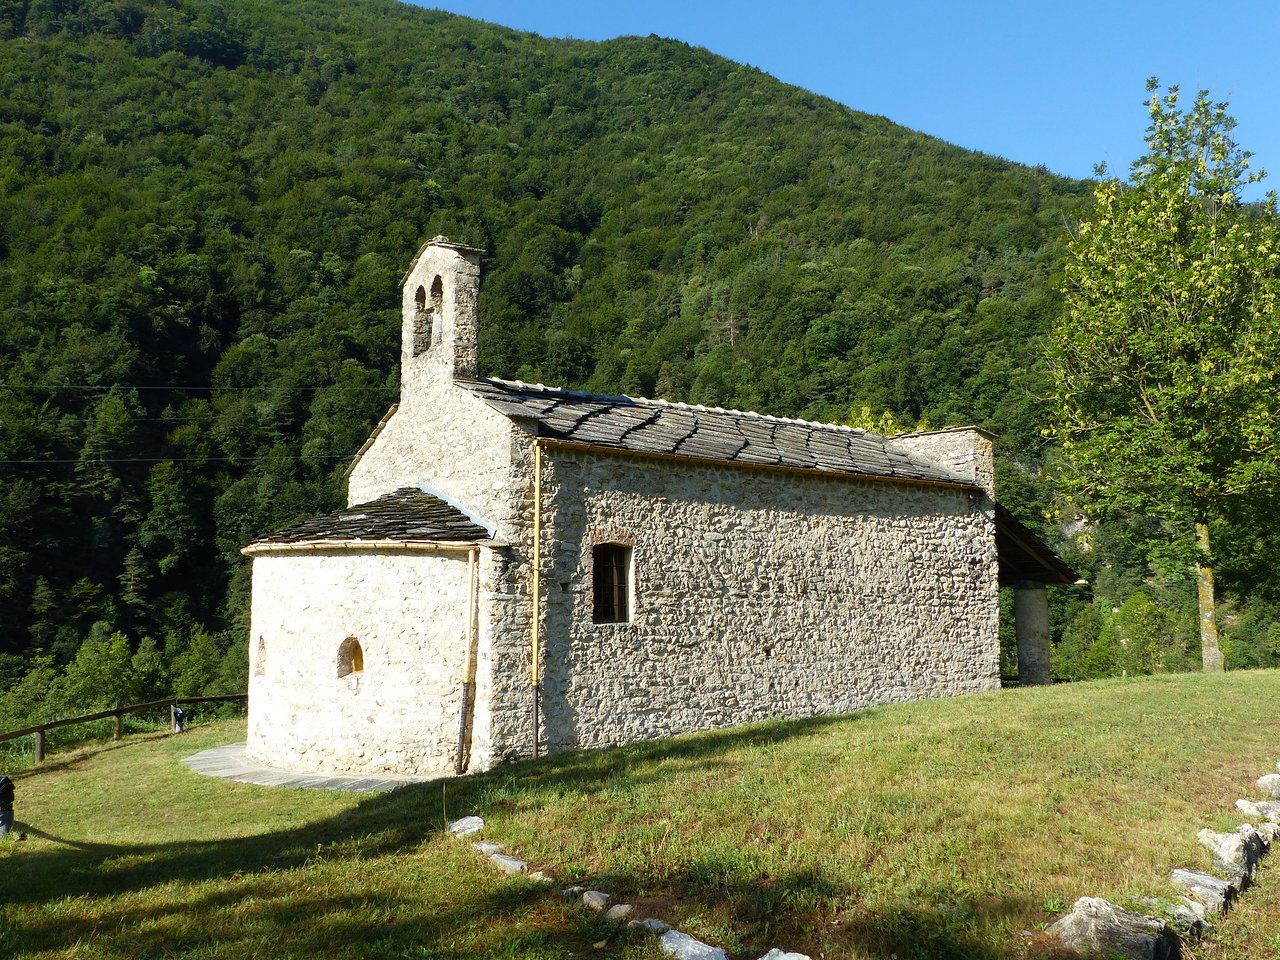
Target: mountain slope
point(205, 209)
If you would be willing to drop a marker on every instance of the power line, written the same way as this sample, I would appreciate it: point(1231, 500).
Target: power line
point(255, 459)
point(86, 387)
point(60, 420)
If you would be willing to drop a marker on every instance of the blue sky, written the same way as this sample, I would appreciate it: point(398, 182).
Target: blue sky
point(1060, 84)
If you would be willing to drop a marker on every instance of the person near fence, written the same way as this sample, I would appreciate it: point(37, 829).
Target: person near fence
point(179, 717)
point(6, 805)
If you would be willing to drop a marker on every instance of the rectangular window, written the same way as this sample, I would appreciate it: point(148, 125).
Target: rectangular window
point(611, 579)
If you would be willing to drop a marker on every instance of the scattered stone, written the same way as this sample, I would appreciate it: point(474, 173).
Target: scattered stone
point(508, 864)
point(487, 848)
point(1097, 926)
point(1190, 919)
point(652, 924)
point(1270, 785)
point(1214, 893)
point(776, 954)
point(595, 900)
point(572, 893)
point(541, 877)
point(1236, 854)
point(1185, 915)
point(1260, 810)
point(1268, 832)
point(619, 912)
point(684, 947)
point(469, 825)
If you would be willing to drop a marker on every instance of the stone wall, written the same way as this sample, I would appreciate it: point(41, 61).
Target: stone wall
point(408, 611)
point(757, 594)
point(966, 450)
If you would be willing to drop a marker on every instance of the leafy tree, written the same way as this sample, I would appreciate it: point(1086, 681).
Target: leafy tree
point(1166, 363)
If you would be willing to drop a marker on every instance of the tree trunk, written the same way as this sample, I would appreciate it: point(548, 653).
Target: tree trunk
point(1210, 652)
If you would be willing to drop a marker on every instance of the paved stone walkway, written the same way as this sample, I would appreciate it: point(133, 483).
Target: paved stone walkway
point(229, 763)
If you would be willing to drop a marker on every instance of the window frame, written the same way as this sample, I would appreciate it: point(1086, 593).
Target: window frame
point(613, 581)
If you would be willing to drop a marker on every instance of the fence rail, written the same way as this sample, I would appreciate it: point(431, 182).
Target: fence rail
point(117, 714)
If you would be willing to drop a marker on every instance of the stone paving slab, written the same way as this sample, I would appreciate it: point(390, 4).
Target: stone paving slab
point(230, 763)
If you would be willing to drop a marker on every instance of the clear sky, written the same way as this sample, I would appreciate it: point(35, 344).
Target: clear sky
point(1062, 84)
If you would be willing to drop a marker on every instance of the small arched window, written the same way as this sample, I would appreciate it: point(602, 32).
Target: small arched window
point(437, 306)
point(422, 317)
point(350, 658)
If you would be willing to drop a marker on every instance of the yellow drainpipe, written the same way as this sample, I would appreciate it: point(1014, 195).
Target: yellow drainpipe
point(469, 662)
point(535, 652)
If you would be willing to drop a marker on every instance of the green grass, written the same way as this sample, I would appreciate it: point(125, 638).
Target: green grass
point(953, 828)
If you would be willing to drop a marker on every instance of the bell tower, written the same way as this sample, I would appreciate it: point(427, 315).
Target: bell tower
point(438, 318)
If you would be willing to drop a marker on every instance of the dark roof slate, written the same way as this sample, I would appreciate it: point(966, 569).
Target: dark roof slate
point(709, 433)
point(407, 514)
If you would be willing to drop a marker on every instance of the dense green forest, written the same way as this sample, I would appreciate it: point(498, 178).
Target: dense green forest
point(205, 208)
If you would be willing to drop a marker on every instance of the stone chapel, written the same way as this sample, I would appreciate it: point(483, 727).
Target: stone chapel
point(525, 569)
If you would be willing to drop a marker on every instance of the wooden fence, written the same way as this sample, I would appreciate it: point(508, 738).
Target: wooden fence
point(117, 714)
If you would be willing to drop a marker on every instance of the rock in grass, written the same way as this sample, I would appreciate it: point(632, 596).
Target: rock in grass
point(1236, 853)
point(652, 924)
point(508, 864)
point(595, 900)
point(1189, 918)
point(469, 825)
point(1097, 926)
point(619, 912)
point(1216, 894)
point(541, 877)
point(1268, 810)
point(1268, 832)
point(1270, 785)
point(776, 954)
point(487, 848)
point(684, 947)
point(572, 893)
point(1185, 915)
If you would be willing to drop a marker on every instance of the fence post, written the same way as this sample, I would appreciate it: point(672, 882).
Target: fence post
point(119, 726)
point(39, 746)
point(173, 717)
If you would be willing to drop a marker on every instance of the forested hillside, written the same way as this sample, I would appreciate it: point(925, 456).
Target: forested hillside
point(205, 209)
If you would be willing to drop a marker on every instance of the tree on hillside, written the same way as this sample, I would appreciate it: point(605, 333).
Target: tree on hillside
point(1166, 361)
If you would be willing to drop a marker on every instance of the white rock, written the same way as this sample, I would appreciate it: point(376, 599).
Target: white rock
point(1260, 810)
point(469, 825)
point(776, 954)
point(1234, 852)
point(618, 912)
point(595, 900)
point(684, 947)
point(573, 893)
point(652, 924)
point(1096, 926)
point(486, 847)
point(541, 877)
point(508, 864)
point(1216, 894)
point(1270, 785)
point(1269, 832)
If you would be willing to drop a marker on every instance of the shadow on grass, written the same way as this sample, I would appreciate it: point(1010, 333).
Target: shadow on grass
point(804, 909)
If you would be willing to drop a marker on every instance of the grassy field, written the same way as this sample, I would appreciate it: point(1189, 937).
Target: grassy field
point(954, 828)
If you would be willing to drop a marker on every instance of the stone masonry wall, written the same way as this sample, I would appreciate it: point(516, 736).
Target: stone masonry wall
point(966, 450)
point(408, 613)
point(757, 595)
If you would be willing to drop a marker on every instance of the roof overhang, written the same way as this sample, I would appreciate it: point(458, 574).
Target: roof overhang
point(1025, 558)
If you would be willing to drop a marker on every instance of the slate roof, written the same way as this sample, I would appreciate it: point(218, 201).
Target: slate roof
point(709, 433)
point(407, 514)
